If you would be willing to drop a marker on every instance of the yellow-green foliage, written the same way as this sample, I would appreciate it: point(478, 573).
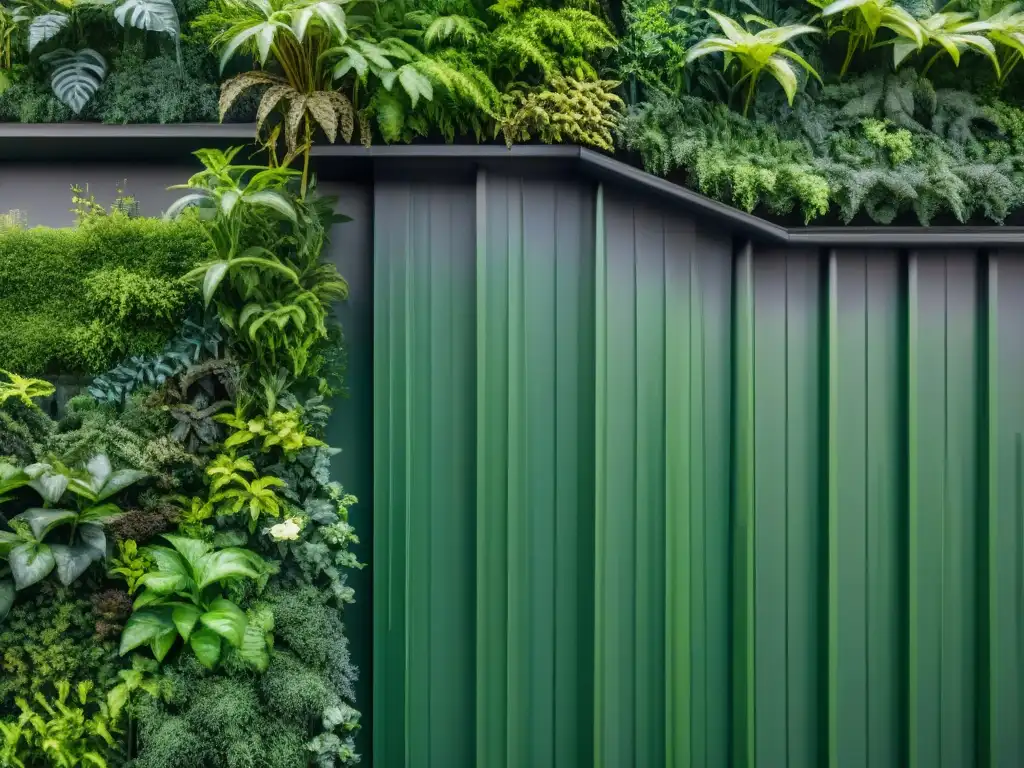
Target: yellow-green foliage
point(77, 300)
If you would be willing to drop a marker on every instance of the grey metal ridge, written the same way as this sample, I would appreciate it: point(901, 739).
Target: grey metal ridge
point(604, 167)
point(85, 131)
point(90, 140)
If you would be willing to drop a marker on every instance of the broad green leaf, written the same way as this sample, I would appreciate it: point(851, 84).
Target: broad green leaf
point(145, 626)
point(152, 15)
point(161, 645)
point(42, 521)
point(227, 620)
point(732, 30)
point(179, 205)
point(76, 75)
point(118, 481)
point(233, 45)
point(7, 541)
point(72, 561)
point(163, 583)
point(148, 597)
point(211, 281)
point(225, 564)
point(254, 647)
point(185, 617)
point(781, 71)
point(30, 563)
point(206, 645)
point(169, 561)
point(192, 550)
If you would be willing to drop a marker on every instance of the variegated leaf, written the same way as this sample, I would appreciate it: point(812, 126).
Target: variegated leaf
point(236, 86)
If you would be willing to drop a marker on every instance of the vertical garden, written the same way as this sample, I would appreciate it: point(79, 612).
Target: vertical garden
point(176, 556)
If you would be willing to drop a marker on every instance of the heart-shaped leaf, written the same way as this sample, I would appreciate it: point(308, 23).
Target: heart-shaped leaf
point(72, 561)
point(30, 563)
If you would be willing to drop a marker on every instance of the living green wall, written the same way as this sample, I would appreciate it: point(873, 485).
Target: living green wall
point(76, 300)
point(648, 494)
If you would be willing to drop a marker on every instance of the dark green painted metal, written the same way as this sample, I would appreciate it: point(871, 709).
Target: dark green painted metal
point(535, 464)
point(646, 496)
point(663, 330)
point(1004, 547)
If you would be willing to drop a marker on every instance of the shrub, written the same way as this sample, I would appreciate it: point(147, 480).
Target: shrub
point(76, 300)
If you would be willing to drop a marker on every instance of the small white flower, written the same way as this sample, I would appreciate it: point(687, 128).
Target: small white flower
point(286, 531)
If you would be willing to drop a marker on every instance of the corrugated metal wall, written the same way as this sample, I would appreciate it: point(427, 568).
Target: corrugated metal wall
point(647, 495)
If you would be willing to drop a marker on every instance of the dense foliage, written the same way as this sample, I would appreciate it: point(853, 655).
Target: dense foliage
point(77, 300)
point(173, 551)
point(882, 128)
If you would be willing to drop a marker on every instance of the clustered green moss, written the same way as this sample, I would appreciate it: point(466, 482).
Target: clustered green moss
point(77, 300)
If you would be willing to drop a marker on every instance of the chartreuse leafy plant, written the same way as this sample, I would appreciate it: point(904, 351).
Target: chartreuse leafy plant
point(756, 53)
point(861, 20)
point(281, 428)
point(235, 487)
point(65, 732)
point(184, 596)
point(1006, 29)
point(23, 388)
point(950, 33)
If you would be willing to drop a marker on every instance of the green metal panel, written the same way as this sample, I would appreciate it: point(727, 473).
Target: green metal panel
point(943, 400)
point(663, 372)
point(424, 448)
point(535, 245)
point(864, 505)
point(1003, 626)
point(648, 497)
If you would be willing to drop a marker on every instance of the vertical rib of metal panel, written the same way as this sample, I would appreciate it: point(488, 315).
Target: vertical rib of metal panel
point(943, 399)
point(864, 493)
point(1003, 552)
point(424, 440)
point(781, 518)
point(535, 248)
point(663, 372)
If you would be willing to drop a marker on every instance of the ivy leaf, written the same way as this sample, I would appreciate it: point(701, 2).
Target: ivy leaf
point(46, 27)
point(206, 646)
point(30, 563)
